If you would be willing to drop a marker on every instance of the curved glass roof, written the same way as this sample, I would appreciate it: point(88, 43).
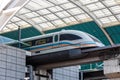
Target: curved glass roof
point(50, 14)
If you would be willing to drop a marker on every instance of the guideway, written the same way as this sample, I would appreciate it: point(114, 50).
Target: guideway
point(73, 57)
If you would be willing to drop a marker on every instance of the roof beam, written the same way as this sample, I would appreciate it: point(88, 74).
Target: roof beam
point(30, 22)
point(3, 4)
point(9, 12)
point(6, 16)
point(56, 19)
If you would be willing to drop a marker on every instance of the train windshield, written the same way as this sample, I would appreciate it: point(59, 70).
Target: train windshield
point(69, 37)
point(43, 41)
point(94, 38)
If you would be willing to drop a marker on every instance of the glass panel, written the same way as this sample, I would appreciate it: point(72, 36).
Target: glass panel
point(69, 37)
point(63, 14)
point(72, 19)
point(5, 29)
point(75, 11)
point(23, 11)
point(33, 5)
point(42, 4)
point(44, 25)
point(37, 20)
point(118, 16)
point(67, 20)
point(49, 14)
point(59, 1)
point(112, 18)
point(43, 11)
point(82, 16)
point(100, 5)
point(43, 19)
point(68, 5)
point(55, 9)
point(31, 15)
point(58, 22)
point(51, 17)
point(115, 9)
point(106, 12)
point(105, 20)
point(23, 24)
point(95, 6)
point(14, 19)
point(12, 26)
point(47, 26)
point(110, 2)
point(99, 13)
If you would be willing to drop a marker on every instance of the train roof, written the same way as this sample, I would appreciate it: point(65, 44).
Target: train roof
point(51, 34)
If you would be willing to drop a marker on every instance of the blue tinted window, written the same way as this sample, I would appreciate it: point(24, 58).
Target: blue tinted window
point(69, 37)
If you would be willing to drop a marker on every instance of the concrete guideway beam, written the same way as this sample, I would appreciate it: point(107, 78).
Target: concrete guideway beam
point(61, 59)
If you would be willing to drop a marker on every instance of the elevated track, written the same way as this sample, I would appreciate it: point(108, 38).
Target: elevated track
point(73, 57)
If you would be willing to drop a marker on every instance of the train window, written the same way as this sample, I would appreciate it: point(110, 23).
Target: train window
point(56, 38)
point(69, 37)
point(95, 39)
point(29, 43)
point(44, 41)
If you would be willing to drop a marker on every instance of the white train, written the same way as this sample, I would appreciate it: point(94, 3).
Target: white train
point(62, 40)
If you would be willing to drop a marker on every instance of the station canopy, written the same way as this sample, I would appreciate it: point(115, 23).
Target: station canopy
point(51, 14)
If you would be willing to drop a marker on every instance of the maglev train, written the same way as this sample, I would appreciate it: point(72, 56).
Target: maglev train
point(62, 40)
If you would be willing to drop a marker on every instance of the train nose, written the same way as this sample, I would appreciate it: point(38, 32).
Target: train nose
point(100, 44)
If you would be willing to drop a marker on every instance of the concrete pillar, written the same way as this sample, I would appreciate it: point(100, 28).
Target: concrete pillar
point(112, 69)
point(66, 73)
point(41, 74)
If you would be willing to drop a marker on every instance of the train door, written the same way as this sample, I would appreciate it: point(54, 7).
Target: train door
point(56, 40)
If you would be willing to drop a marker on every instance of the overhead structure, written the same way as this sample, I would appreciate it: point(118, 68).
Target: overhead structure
point(8, 9)
point(51, 14)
